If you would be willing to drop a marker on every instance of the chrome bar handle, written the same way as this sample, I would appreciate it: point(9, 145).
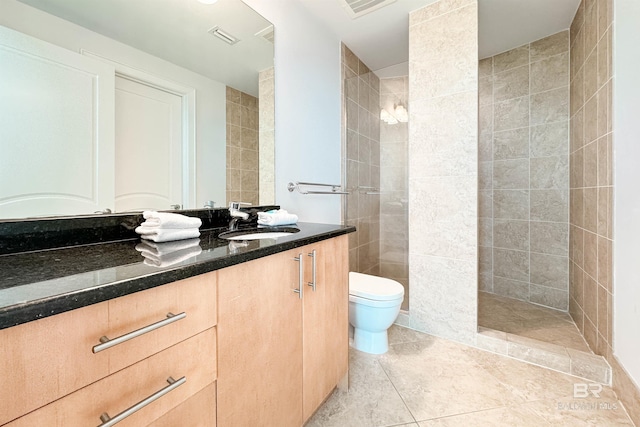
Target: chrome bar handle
point(299, 291)
point(107, 421)
point(106, 343)
point(313, 282)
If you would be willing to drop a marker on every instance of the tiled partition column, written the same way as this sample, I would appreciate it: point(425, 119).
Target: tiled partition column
point(524, 169)
point(266, 136)
point(443, 169)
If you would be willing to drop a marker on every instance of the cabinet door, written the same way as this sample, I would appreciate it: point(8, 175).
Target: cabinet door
point(325, 322)
point(260, 345)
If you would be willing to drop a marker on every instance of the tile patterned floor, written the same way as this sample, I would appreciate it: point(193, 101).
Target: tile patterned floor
point(426, 381)
point(530, 321)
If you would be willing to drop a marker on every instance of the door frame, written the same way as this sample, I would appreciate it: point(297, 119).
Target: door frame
point(188, 96)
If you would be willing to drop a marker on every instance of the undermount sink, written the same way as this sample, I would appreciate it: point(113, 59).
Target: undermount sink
point(258, 233)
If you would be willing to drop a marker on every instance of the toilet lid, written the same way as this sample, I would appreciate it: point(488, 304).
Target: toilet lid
point(374, 287)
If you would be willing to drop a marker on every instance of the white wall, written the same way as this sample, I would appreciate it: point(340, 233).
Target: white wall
point(308, 108)
point(210, 95)
point(626, 250)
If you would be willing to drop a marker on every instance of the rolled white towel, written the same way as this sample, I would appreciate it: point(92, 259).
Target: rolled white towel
point(169, 220)
point(167, 234)
point(279, 217)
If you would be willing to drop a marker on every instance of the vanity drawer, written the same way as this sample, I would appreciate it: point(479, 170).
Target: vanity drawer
point(44, 360)
point(197, 411)
point(196, 297)
point(194, 359)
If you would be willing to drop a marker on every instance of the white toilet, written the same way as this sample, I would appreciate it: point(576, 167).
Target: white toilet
point(374, 304)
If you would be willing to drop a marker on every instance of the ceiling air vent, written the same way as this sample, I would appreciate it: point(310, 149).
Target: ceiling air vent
point(357, 8)
point(266, 34)
point(223, 35)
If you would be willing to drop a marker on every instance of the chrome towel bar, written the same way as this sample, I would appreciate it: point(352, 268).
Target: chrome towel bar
point(335, 188)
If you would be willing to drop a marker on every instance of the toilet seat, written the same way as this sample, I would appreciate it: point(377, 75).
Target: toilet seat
point(367, 288)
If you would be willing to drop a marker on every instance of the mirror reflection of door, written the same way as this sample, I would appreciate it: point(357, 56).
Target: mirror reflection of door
point(148, 150)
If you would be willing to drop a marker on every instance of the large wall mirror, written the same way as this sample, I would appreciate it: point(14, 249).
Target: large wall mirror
point(127, 105)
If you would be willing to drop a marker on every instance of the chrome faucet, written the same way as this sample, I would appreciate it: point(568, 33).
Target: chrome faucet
point(237, 214)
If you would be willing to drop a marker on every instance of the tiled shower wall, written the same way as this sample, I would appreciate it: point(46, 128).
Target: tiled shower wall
point(362, 161)
point(591, 234)
point(242, 147)
point(394, 200)
point(524, 172)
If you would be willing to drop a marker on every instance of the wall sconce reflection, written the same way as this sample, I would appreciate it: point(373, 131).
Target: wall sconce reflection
point(400, 114)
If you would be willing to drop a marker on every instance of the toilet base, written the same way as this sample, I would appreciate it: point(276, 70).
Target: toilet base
point(370, 342)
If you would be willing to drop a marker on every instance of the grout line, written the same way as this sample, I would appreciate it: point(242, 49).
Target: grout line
point(396, 389)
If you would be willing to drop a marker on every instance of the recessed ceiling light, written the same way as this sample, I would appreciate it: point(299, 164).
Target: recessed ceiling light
point(207, 1)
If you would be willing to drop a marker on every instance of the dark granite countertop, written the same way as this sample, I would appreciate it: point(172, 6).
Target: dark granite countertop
point(43, 283)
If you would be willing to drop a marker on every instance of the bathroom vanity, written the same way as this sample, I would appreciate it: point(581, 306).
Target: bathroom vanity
point(243, 333)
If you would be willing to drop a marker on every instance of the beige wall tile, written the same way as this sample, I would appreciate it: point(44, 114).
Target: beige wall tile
point(549, 205)
point(510, 234)
point(512, 83)
point(436, 9)
point(485, 67)
point(550, 106)
point(550, 73)
point(591, 164)
point(511, 114)
point(511, 144)
point(577, 23)
point(511, 204)
point(591, 27)
point(511, 174)
point(577, 54)
point(576, 92)
point(549, 172)
point(549, 238)
point(591, 209)
point(511, 59)
point(511, 288)
point(511, 264)
point(549, 297)
point(549, 139)
point(591, 75)
point(550, 46)
point(550, 271)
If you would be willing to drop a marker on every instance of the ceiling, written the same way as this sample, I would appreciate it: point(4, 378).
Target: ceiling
point(177, 31)
point(381, 38)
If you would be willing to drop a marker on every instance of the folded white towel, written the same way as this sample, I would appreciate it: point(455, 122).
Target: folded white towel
point(169, 220)
point(167, 259)
point(167, 234)
point(279, 217)
point(147, 247)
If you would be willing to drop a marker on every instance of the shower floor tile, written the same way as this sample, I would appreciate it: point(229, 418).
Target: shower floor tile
point(530, 321)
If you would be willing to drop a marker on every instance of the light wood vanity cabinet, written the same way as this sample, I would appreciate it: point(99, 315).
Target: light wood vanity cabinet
point(279, 355)
point(262, 343)
point(52, 374)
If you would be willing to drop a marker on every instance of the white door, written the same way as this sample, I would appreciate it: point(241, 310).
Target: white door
point(56, 129)
point(149, 147)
